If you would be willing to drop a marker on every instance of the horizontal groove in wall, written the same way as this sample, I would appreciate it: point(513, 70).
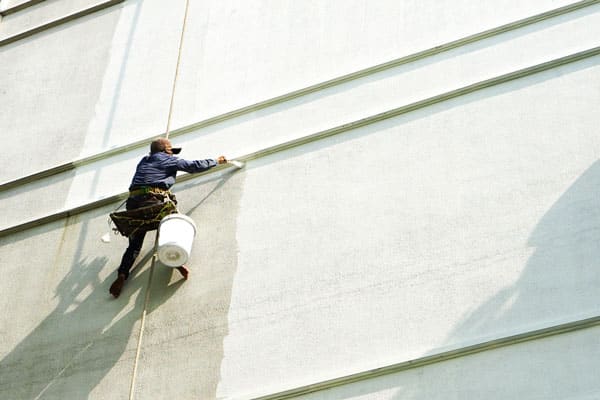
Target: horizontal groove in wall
point(336, 130)
point(59, 21)
point(19, 7)
point(302, 92)
point(432, 359)
point(426, 102)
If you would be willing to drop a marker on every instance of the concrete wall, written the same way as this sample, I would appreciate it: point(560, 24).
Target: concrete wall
point(454, 203)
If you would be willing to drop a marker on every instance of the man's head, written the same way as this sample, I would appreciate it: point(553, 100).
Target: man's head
point(163, 145)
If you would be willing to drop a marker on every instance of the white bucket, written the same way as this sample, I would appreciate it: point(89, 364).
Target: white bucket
point(175, 237)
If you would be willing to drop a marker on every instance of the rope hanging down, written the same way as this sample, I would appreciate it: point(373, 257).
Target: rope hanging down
point(154, 250)
point(167, 130)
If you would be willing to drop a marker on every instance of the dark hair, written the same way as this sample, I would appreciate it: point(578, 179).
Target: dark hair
point(159, 145)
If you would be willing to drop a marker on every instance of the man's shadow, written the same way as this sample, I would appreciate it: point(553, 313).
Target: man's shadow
point(87, 342)
point(80, 341)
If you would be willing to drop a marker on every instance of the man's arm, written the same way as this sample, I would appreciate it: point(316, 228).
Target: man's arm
point(199, 165)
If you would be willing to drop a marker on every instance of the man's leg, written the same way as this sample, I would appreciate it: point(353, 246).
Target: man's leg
point(135, 246)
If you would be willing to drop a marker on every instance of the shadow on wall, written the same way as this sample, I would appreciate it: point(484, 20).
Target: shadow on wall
point(70, 351)
point(89, 336)
point(560, 281)
point(559, 284)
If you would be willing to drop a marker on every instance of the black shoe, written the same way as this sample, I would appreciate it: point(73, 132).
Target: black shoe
point(115, 288)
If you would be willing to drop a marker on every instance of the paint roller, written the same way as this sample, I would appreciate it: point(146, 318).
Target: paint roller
point(237, 164)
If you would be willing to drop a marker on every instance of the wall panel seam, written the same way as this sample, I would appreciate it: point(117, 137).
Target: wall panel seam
point(331, 132)
point(432, 359)
point(59, 21)
point(19, 7)
point(299, 93)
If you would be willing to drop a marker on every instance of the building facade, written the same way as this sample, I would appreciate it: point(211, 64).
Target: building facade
point(418, 215)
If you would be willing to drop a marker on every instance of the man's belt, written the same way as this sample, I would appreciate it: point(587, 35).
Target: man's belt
point(138, 191)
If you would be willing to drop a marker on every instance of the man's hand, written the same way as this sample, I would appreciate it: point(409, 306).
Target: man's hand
point(221, 160)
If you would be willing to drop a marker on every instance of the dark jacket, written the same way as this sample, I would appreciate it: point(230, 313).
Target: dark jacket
point(159, 170)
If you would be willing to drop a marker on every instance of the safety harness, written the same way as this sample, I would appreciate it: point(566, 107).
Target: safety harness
point(147, 218)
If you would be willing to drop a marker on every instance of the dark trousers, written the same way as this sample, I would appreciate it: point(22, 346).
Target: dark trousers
point(137, 239)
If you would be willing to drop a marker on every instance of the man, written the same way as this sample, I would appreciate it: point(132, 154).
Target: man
point(154, 176)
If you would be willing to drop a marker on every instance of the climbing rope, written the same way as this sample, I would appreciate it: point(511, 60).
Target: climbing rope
point(154, 250)
point(167, 130)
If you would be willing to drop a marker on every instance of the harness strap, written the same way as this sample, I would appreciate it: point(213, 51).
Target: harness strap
point(149, 189)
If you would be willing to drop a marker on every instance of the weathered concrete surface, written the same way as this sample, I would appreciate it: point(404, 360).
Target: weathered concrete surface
point(376, 93)
point(110, 87)
point(62, 95)
point(466, 221)
point(40, 14)
point(190, 328)
point(289, 45)
point(127, 83)
point(62, 335)
point(463, 222)
point(533, 370)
